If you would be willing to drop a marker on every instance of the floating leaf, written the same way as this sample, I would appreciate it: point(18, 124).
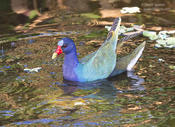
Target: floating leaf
point(150, 34)
point(171, 67)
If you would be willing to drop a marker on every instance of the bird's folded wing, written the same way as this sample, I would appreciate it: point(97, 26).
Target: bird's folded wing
point(102, 62)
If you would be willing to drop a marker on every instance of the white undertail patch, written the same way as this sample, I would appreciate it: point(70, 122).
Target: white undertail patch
point(134, 61)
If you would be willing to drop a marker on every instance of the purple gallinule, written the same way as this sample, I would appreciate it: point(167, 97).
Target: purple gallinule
point(100, 64)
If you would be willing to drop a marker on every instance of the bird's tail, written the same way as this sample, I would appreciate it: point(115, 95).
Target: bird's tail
point(126, 63)
point(127, 37)
point(113, 33)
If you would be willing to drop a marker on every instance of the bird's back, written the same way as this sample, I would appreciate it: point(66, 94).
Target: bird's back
point(101, 63)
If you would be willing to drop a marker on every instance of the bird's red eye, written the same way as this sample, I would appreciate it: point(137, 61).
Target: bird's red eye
point(64, 46)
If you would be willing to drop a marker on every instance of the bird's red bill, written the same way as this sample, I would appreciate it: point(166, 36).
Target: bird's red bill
point(59, 50)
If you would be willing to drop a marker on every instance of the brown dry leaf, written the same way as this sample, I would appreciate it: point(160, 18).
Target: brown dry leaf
point(135, 108)
point(158, 103)
point(131, 96)
point(156, 28)
point(106, 13)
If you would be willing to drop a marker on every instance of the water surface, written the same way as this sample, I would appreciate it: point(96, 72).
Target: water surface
point(144, 97)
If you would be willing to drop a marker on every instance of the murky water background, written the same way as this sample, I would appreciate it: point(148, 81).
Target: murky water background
point(29, 34)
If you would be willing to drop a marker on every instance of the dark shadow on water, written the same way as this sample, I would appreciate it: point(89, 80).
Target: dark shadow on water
point(136, 81)
point(106, 88)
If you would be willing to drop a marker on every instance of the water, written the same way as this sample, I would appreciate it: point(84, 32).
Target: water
point(144, 97)
point(64, 102)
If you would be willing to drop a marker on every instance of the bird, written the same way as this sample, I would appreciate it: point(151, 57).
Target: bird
point(100, 64)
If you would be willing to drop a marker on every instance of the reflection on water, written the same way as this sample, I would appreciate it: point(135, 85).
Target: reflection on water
point(105, 88)
point(61, 107)
point(43, 121)
point(136, 81)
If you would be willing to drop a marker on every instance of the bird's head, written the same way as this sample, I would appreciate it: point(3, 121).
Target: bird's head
point(65, 45)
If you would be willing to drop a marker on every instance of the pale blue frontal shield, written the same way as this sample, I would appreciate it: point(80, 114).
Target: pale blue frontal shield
point(60, 43)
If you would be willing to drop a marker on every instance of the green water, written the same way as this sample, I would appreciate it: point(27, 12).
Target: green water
point(144, 97)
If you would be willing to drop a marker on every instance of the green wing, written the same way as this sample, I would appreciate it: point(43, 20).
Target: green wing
point(101, 63)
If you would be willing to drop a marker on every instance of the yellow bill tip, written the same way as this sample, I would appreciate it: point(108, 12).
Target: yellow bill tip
point(54, 55)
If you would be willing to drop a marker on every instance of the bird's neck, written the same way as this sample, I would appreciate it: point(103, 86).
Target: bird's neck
point(71, 59)
point(70, 63)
